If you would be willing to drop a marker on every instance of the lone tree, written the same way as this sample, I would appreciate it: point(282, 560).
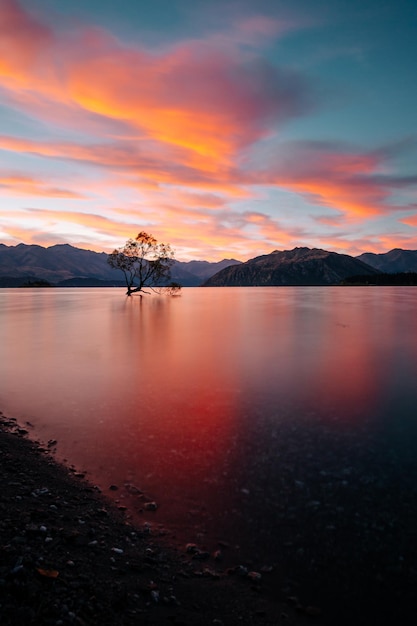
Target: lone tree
point(145, 263)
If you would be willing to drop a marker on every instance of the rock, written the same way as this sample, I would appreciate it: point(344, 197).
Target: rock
point(241, 570)
point(155, 595)
point(191, 548)
point(42, 491)
point(132, 489)
point(209, 573)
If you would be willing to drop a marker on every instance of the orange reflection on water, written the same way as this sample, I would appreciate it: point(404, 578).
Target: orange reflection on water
point(182, 396)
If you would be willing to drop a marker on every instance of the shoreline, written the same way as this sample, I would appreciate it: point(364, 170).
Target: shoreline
point(70, 556)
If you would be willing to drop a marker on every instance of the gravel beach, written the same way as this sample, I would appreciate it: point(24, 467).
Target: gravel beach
point(70, 555)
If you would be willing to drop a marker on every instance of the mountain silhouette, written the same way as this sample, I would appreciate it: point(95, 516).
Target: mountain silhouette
point(392, 262)
point(300, 266)
point(68, 266)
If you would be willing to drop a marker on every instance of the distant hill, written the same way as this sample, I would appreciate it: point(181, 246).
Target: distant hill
point(203, 269)
point(54, 264)
point(68, 266)
point(194, 273)
point(300, 266)
point(392, 262)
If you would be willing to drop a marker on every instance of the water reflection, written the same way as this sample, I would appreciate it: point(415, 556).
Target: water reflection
point(200, 400)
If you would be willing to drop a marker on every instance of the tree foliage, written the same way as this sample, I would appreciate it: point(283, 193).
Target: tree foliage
point(145, 263)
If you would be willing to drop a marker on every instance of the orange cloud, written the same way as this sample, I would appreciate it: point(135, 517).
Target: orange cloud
point(24, 42)
point(206, 101)
point(17, 185)
point(207, 200)
point(177, 136)
point(411, 220)
point(353, 183)
point(346, 182)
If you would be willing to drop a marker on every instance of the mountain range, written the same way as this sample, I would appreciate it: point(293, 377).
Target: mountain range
point(66, 265)
point(392, 262)
point(300, 266)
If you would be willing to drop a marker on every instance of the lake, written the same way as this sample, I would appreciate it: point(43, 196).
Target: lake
point(280, 422)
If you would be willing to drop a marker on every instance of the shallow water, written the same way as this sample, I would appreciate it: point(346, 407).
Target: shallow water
point(238, 410)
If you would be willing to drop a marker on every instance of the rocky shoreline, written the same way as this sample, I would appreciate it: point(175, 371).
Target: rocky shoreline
point(69, 556)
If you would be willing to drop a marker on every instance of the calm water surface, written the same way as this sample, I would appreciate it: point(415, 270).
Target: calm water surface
point(228, 407)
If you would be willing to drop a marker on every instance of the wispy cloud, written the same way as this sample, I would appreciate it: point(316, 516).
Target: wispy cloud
point(17, 185)
point(208, 101)
point(181, 135)
point(353, 182)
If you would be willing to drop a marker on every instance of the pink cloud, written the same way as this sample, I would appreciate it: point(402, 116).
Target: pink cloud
point(17, 185)
point(24, 42)
point(354, 183)
point(209, 102)
point(410, 220)
point(179, 126)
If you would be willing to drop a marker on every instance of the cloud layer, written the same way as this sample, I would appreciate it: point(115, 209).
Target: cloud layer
point(185, 140)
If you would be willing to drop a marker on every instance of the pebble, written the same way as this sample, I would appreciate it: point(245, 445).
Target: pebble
point(191, 548)
point(155, 595)
point(40, 492)
point(255, 576)
point(133, 490)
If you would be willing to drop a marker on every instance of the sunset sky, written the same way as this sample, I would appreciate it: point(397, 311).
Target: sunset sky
point(227, 129)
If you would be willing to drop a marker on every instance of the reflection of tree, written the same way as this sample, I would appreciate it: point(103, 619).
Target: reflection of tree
point(145, 263)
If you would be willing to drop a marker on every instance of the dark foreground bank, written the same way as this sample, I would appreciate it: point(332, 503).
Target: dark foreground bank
point(68, 556)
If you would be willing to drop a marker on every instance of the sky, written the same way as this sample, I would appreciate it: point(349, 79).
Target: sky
point(226, 129)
